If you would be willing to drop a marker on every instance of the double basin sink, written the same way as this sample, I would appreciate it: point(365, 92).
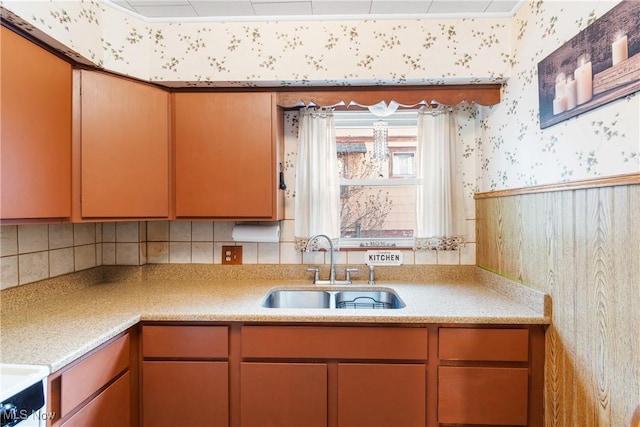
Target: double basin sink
point(381, 298)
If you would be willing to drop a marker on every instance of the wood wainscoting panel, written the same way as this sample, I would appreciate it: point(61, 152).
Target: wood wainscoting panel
point(582, 246)
point(625, 299)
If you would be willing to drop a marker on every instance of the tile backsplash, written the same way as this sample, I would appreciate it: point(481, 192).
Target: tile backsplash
point(124, 243)
point(35, 252)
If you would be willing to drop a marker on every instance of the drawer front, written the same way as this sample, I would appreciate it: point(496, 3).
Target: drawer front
point(475, 395)
point(473, 344)
point(110, 408)
point(185, 341)
point(93, 373)
point(308, 342)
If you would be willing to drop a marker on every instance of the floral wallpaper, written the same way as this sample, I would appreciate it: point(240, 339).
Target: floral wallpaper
point(273, 53)
point(332, 53)
point(510, 150)
point(513, 151)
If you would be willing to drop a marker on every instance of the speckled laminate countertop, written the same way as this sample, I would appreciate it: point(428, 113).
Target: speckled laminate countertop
point(55, 329)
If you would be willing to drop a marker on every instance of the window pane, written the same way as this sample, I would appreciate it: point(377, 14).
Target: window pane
point(355, 160)
point(377, 212)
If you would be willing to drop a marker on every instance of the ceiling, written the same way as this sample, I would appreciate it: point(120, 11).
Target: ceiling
point(263, 10)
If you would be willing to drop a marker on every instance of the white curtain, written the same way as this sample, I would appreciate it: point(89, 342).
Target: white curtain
point(440, 204)
point(317, 197)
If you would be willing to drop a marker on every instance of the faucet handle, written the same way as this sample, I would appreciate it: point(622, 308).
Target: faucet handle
point(372, 279)
point(316, 273)
point(349, 270)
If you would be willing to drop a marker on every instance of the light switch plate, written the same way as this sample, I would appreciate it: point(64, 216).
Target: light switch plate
point(232, 255)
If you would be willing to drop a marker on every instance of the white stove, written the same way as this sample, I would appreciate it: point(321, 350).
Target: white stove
point(23, 395)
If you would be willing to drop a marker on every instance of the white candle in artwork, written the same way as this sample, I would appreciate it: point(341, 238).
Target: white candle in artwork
point(584, 80)
point(559, 102)
point(570, 93)
point(561, 80)
point(619, 50)
point(559, 105)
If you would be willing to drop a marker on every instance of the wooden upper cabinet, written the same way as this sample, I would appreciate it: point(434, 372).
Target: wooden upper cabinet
point(226, 155)
point(35, 131)
point(124, 147)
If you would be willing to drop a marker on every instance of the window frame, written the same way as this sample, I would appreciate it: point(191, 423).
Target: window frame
point(354, 243)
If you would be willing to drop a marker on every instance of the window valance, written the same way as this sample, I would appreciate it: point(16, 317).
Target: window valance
point(483, 94)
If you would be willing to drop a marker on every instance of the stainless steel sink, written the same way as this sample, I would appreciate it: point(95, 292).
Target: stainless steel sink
point(297, 298)
point(368, 299)
point(333, 299)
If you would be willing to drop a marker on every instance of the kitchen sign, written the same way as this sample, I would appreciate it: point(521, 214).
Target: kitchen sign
point(384, 258)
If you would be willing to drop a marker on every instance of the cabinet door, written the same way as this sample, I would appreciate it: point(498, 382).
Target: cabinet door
point(283, 394)
point(382, 395)
point(110, 408)
point(225, 155)
point(185, 394)
point(125, 148)
point(482, 395)
point(35, 135)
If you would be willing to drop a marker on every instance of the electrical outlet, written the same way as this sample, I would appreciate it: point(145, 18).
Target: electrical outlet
point(232, 254)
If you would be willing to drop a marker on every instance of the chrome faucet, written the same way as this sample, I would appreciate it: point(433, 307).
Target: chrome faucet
point(332, 274)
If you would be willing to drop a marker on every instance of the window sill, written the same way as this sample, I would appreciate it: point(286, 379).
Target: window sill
point(373, 244)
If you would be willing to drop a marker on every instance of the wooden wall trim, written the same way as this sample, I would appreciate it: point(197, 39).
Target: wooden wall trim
point(610, 181)
point(483, 94)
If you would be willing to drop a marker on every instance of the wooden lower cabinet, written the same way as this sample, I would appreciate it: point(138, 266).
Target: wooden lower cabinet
point(110, 408)
point(381, 395)
point(490, 376)
point(348, 375)
point(345, 376)
point(483, 395)
point(185, 375)
point(185, 394)
point(368, 394)
point(98, 390)
point(283, 394)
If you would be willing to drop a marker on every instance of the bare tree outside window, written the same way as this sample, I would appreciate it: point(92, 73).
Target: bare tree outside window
point(363, 211)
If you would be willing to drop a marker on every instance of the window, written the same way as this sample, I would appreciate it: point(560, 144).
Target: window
point(402, 162)
point(377, 191)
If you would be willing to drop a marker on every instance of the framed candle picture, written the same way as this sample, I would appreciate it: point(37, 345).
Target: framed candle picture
point(597, 66)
